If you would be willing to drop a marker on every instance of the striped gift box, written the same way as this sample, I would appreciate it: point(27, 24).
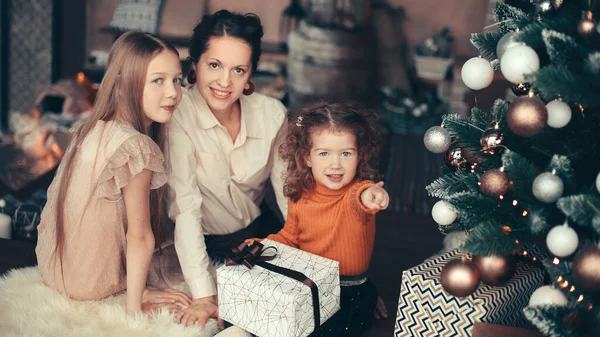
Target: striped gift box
point(426, 310)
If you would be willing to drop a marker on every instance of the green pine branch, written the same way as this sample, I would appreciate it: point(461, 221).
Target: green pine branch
point(486, 44)
point(473, 208)
point(536, 219)
point(563, 50)
point(555, 79)
point(531, 34)
point(510, 18)
point(564, 169)
point(488, 239)
point(570, 320)
point(582, 209)
point(479, 118)
point(521, 172)
point(455, 226)
point(463, 131)
point(592, 63)
point(452, 183)
point(499, 111)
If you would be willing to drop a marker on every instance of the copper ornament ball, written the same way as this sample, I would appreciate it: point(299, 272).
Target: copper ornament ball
point(490, 141)
point(455, 157)
point(494, 183)
point(459, 278)
point(521, 89)
point(527, 116)
point(586, 269)
point(495, 270)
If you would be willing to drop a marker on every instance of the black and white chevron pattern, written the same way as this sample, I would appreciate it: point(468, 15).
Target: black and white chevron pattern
point(426, 310)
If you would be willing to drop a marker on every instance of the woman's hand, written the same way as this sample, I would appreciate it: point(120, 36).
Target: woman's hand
point(199, 312)
point(171, 299)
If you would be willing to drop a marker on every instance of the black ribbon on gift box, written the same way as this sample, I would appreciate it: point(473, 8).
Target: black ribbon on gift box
point(251, 255)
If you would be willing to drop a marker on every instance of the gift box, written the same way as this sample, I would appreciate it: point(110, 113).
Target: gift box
point(425, 309)
point(268, 303)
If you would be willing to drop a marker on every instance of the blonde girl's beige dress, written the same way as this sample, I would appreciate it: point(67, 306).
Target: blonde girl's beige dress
point(93, 262)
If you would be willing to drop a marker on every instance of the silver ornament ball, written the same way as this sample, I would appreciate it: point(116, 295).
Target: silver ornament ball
point(437, 139)
point(547, 187)
point(559, 114)
point(547, 295)
point(443, 213)
point(506, 42)
point(598, 182)
point(477, 73)
point(562, 240)
point(518, 62)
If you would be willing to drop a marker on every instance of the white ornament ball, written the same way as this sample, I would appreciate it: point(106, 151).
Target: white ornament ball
point(562, 240)
point(443, 213)
point(505, 43)
point(519, 61)
point(598, 182)
point(547, 187)
point(559, 114)
point(477, 73)
point(547, 295)
point(437, 139)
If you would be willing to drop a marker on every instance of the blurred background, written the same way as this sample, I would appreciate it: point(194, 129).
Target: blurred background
point(400, 57)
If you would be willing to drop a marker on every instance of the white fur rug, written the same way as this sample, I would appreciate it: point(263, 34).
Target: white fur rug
point(29, 308)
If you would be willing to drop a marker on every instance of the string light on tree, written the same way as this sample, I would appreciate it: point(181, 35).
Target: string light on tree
point(518, 62)
point(437, 139)
point(477, 73)
point(559, 114)
point(547, 187)
point(547, 295)
point(587, 25)
point(562, 240)
point(443, 213)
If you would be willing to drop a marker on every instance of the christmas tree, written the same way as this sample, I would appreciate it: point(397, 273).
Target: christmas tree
point(524, 178)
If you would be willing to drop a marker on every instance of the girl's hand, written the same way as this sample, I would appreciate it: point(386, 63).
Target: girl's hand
point(375, 197)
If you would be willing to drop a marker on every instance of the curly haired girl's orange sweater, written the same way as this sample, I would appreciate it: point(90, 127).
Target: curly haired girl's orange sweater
point(333, 224)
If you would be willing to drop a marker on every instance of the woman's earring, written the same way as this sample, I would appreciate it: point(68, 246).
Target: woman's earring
point(191, 77)
point(248, 91)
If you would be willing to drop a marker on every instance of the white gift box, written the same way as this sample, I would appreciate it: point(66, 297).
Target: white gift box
point(269, 304)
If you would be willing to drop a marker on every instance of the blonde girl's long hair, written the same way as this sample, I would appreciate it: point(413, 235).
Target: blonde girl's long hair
point(120, 98)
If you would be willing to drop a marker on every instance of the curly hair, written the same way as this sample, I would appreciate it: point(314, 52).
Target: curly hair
point(348, 117)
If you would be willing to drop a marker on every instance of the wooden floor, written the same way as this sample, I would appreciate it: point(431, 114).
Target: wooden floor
point(403, 240)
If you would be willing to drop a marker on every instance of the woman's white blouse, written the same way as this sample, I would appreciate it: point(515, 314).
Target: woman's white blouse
point(216, 185)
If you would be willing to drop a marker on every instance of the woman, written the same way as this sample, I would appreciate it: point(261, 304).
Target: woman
point(223, 142)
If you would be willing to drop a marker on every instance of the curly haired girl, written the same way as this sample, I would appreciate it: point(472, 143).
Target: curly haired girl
point(331, 151)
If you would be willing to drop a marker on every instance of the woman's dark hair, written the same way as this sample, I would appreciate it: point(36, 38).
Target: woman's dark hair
point(349, 117)
point(225, 23)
